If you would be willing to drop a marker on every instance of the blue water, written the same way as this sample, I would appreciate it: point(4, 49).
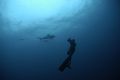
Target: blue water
point(96, 56)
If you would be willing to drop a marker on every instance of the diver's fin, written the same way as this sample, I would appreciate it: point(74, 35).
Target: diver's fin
point(66, 63)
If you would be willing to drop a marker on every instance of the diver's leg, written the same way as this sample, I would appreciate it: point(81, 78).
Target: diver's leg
point(68, 52)
point(69, 62)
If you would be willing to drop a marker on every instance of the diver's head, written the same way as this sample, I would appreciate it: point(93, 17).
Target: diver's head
point(69, 39)
point(73, 40)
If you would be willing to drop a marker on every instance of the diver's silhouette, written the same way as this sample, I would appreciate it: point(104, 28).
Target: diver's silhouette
point(72, 46)
point(67, 61)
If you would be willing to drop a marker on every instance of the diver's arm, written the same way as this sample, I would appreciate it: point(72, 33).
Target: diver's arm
point(69, 40)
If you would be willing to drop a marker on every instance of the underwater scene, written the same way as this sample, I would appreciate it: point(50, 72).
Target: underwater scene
point(59, 39)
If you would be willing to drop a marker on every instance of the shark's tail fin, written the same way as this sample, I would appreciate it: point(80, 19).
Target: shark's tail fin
point(39, 38)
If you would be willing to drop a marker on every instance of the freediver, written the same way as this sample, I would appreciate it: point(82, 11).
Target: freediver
point(72, 47)
point(70, 52)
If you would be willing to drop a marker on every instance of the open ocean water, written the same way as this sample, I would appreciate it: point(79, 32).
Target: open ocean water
point(94, 24)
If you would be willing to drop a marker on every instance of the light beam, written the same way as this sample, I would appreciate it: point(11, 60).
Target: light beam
point(27, 12)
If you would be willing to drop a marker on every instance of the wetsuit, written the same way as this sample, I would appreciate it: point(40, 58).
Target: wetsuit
point(71, 49)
